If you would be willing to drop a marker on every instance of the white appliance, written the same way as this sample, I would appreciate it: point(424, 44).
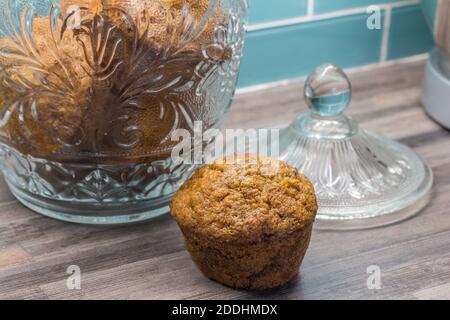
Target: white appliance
point(436, 87)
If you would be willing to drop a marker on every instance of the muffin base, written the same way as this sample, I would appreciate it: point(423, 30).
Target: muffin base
point(266, 264)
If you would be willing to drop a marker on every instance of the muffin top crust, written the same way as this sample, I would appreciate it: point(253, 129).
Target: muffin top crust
point(245, 199)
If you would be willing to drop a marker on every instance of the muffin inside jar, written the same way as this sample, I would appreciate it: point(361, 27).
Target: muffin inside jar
point(107, 78)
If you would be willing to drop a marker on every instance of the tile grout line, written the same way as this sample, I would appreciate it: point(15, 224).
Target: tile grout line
point(386, 34)
point(310, 8)
point(324, 16)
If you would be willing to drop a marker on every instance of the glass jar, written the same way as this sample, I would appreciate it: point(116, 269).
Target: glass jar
point(91, 92)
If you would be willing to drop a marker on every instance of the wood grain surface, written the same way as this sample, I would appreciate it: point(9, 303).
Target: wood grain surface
point(148, 261)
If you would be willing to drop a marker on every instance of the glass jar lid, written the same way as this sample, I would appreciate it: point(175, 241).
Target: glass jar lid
point(362, 179)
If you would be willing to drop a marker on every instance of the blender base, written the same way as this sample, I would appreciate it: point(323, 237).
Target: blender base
point(436, 90)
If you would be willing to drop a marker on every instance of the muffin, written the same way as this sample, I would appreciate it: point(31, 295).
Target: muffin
point(72, 104)
point(247, 224)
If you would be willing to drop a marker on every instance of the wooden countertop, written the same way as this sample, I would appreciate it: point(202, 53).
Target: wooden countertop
point(148, 261)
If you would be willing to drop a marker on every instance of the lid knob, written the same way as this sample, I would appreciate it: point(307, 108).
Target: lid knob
point(328, 91)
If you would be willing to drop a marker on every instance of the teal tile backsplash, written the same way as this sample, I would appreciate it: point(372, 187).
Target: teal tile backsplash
point(267, 10)
point(288, 52)
point(409, 34)
point(429, 8)
point(289, 38)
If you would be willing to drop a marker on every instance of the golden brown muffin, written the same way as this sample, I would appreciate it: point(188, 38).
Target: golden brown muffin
point(247, 225)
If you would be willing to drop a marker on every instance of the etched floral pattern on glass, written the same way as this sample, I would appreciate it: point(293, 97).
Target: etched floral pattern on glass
point(95, 89)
